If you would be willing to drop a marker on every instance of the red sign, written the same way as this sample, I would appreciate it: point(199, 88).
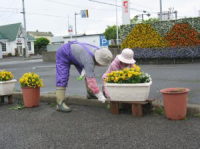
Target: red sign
point(125, 5)
point(70, 29)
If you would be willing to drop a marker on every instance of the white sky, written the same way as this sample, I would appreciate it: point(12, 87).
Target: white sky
point(52, 15)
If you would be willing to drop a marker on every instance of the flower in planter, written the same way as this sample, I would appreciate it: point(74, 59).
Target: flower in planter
point(6, 75)
point(128, 75)
point(31, 79)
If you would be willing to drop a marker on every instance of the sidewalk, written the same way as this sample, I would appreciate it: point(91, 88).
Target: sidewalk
point(192, 109)
point(91, 127)
point(20, 58)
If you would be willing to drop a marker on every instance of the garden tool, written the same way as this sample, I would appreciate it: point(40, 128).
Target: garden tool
point(60, 97)
point(81, 77)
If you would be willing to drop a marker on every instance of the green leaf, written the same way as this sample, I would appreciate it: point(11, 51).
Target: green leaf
point(17, 107)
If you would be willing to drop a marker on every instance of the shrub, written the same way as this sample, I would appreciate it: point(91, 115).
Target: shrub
point(9, 54)
point(40, 45)
point(182, 34)
point(143, 36)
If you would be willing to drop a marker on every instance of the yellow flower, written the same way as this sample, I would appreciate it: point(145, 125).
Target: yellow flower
point(130, 75)
point(6, 75)
point(31, 79)
point(127, 75)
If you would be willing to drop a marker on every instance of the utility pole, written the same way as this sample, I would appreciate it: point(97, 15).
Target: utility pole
point(25, 34)
point(160, 10)
point(142, 17)
point(70, 29)
point(75, 23)
point(117, 32)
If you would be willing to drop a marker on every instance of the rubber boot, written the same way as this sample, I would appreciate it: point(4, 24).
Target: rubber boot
point(60, 97)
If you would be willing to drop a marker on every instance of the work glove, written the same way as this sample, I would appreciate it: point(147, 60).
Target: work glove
point(82, 75)
point(101, 97)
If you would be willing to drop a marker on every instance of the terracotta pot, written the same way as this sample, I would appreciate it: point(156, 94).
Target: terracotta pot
point(31, 96)
point(175, 102)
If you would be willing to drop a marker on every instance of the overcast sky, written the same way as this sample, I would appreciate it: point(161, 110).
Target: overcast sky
point(53, 15)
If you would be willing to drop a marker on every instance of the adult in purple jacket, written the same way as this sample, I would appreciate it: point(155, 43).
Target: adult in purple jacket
point(84, 57)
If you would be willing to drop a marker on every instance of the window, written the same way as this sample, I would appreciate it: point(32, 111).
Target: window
point(29, 46)
point(3, 46)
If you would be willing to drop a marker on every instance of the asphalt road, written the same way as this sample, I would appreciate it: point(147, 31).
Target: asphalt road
point(163, 76)
point(93, 128)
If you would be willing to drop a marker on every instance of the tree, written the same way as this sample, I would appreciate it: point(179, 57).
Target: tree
point(135, 20)
point(40, 45)
point(110, 32)
point(150, 20)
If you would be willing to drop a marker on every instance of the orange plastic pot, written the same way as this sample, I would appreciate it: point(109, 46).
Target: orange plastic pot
point(175, 102)
point(31, 97)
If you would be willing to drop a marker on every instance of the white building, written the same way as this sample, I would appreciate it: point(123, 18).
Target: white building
point(12, 41)
point(94, 39)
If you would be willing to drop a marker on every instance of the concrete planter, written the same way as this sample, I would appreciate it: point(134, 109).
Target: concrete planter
point(7, 87)
point(128, 92)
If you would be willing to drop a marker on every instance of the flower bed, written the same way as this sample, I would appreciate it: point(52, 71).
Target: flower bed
point(164, 55)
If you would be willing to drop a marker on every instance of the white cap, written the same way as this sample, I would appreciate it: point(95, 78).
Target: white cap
point(126, 56)
point(103, 56)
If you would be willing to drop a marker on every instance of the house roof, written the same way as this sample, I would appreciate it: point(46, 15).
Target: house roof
point(10, 32)
point(37, 33)
point(30, 37)
point(2, 37)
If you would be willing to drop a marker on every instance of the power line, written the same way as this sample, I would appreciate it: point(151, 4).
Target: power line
point(75, 6)
point(135, 9)
point(62, 3)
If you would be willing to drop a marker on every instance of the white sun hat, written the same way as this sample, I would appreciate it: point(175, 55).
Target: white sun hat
point(103, 56)
point(126, 56)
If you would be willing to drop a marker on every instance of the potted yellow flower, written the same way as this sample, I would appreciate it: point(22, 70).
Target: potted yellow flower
point(30, 83)
point(7, 83)
point(129, 84)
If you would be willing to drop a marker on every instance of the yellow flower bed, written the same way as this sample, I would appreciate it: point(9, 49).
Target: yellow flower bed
point(31, 79)
point(128, 75)
point(6, 75)
point(143, 36)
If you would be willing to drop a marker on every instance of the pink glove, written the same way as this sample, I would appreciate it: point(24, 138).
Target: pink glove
point(92, 85)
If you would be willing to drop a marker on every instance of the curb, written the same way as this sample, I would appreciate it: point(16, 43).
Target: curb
point(192, 109)
point(77, 100)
